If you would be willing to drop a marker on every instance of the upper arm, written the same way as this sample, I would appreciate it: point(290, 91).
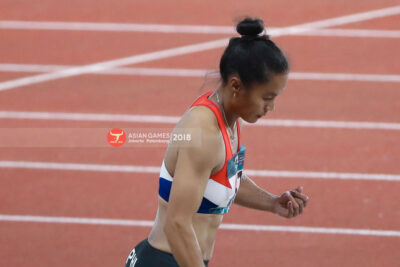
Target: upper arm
point(192, 171)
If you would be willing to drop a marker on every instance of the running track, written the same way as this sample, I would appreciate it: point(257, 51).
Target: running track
point(72, 200)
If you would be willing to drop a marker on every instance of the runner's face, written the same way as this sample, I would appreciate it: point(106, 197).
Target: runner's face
point(258, 101)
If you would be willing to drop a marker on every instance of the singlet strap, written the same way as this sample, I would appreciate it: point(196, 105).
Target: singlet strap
point(238, 134)
point(204, 101)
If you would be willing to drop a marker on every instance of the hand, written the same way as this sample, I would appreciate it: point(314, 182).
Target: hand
point(291, 203)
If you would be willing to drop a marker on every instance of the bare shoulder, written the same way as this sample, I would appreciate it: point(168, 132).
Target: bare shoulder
point(205, 146)
point(201, 116)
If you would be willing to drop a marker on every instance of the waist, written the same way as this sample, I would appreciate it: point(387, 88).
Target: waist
point(206, 222)
point(205, 227)
point(160, 253)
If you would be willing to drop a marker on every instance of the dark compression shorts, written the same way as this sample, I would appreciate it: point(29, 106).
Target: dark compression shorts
point(144, 255)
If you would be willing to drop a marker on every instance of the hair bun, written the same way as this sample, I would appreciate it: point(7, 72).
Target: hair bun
point(250, 27)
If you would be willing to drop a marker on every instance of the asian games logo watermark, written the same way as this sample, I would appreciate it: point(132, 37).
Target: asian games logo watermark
point(154, 137)
point(116, 137)
point(109, 137)
point(157, 137)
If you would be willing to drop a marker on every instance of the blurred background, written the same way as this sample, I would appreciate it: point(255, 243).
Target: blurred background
point(71, 72)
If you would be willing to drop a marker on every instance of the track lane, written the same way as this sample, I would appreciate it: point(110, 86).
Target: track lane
point(347, 101)
point(312, 54)
point(80, 48)
point(81, 245)
point(322, 150)
point(66, 245)
point(388, 23)
point(188, 13)
point(363, 205)
point(285, 249)
point(268, 148)
point(5, 76)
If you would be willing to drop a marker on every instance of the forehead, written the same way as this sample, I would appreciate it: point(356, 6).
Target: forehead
point(274, 86)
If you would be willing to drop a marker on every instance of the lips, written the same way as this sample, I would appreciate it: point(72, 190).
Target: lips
point(259, 116)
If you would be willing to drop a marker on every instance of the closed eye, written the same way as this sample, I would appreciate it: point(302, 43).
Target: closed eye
point(269, 98)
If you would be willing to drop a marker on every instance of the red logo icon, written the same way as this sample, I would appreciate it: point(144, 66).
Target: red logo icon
point(116, 137)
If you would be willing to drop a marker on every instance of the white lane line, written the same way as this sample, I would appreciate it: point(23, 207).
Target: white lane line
point(117, 27)
point(304, 27)
point(347, 19)
point(23, 115)
point(353, 33)
point(328, 124)
point(10, 67)
point(171, 72)
point(225, 226)
point(156, 170)
point(169, 28)
point(324, 175)
point(78, 167)
point(88, 117)
point(344, 77)
point(4, 67)
point(74, 220)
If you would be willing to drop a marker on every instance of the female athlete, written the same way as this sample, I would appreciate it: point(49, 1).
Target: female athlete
point(199, 181)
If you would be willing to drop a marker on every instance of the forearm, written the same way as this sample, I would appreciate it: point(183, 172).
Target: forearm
point(250, 195)
point(184, 245)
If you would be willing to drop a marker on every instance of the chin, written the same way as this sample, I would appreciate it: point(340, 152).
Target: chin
point(252, 119)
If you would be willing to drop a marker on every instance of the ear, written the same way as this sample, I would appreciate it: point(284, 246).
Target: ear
point(235, 84)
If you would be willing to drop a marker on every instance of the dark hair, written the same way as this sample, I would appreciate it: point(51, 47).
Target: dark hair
point(253, 56)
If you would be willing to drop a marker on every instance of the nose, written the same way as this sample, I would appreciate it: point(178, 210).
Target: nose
point(270, 106)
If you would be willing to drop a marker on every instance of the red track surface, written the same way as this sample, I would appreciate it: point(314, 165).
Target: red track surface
point(313, 54)
point(389, 23)
point(334, 203)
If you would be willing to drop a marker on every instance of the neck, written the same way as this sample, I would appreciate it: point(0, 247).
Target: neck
point(225, 106)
